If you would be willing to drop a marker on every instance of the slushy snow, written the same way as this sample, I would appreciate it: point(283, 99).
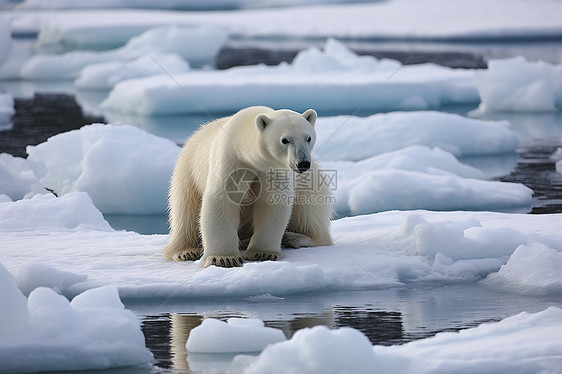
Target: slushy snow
point(517, 85)
point(46, 332)
point(334, 79)
point(127, 171)
point(524, 343)
point(197, 45)
point(234, 335)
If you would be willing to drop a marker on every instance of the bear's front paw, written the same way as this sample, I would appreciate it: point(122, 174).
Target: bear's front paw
point(262, 256)
point(296, 240)
point(224, 261)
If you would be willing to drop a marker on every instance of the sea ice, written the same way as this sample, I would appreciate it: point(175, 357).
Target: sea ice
point(105, 75)
point(524, 343)
point(234, 335)
point(198, 45)
point(394, 248)
point(16, 177)
point(518, 85)
point(46, 332)
point(33, 275)
point(332, 80)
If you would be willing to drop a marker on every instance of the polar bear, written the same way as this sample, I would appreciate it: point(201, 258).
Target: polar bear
point(223, 199)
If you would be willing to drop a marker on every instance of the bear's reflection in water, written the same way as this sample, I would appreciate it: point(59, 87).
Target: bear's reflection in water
point(166, 334)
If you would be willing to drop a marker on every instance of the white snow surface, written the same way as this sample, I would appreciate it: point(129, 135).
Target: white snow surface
point(199, 45)
point(394, 248)
point(517, 85)
point(234, 335)
point(46, 332)
point(454, 20)
point(334, 79)
point(105, 75)
point(524, 343)
point(127, 171)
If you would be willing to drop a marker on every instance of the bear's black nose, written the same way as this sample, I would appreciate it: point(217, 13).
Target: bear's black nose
point(303, 166)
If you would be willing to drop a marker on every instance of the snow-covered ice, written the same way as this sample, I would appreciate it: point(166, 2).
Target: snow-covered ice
point(524, 343)
point(46, 332)
point(33, 275)
point(355, 138)
point(394, 248)
point(198, 45)
point(518, 85)
point(127, 171)
point(234, 335)
point(124, 169)
point(334, 79)
point(458, 20)
point(105, 75)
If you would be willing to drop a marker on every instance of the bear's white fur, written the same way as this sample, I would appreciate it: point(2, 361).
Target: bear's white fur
point(204, 219)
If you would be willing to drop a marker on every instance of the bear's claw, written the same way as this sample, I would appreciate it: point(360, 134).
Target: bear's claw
point(225, 262)
point(263, 256)
point(193, 254)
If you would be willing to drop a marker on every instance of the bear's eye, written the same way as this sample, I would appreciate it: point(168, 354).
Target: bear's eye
point(309, 139)
point(285, 141)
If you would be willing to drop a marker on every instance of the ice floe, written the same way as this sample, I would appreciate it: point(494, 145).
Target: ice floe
point(334, 79)
point(517, 85)
point(6, 111)
point(394, 248)
point(127, 171)
point(46, 332)
point(195, 44)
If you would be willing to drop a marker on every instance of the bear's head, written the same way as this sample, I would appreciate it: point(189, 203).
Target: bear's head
point(289, 136)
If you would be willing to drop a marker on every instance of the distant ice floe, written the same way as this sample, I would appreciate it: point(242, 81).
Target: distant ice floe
point(46, 332)
point(198, 45)
point(459, 20)
point(557, 157)
point(517, 85)
point(127, 171)
point(334, 79)
point(526, 343)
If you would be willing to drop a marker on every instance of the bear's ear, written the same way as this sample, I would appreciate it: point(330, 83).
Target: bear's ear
point(262, 121)
point(310, 115)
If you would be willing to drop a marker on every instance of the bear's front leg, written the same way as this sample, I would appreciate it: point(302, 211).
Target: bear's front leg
point(219, 229)
point(270, 221)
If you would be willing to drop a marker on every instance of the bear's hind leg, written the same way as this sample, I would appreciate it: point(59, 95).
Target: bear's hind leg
point(185, 242)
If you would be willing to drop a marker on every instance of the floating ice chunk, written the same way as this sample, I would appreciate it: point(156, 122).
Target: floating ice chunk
point(318, 350)
point(516, 85)
point(531, 270)
point(33, 275)
point(123, 169)
point(74, 211)
point(234, 335)
point(106, 74)
point(199, 45)
point(356, 138)
point(331, 80)
point(48, 333)
point(557, 158)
